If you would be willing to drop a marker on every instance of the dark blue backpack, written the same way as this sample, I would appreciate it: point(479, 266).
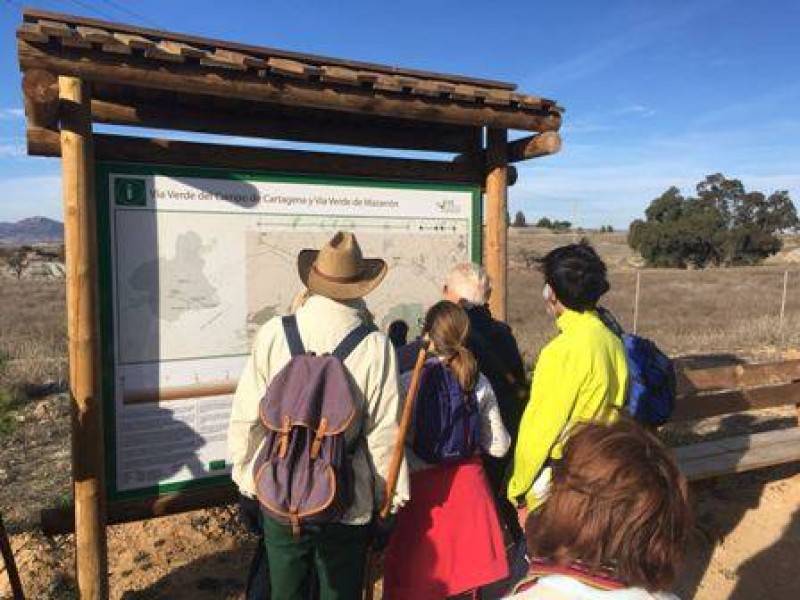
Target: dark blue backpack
point(652, 383)
point(446, 419)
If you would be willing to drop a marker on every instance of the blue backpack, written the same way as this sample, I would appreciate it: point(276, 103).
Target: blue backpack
point(446, 419)
point(652, 383)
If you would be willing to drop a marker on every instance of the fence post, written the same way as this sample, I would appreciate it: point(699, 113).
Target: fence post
point(783, 305)
point(636, 302)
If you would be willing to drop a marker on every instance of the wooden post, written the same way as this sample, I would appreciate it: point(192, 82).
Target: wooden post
point(783, 305)
point(496, 247)
point(80, 240)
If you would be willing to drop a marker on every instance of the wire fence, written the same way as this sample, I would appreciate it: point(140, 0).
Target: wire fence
point(747, 312)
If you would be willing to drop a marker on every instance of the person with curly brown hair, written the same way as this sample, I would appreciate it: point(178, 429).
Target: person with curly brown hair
point(615, 522)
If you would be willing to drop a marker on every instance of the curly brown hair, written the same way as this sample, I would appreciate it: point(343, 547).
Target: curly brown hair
point(618, 504)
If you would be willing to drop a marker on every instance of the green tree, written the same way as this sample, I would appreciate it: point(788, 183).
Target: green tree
point(560, 225)
point(544, 223)
point(519, 219)
point(723, 225)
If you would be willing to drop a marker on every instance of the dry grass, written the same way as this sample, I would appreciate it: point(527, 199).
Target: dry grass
point(33, 336)
point(710, 312)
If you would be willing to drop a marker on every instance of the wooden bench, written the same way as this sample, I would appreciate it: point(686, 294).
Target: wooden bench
point(728, 390)
point(702, 393)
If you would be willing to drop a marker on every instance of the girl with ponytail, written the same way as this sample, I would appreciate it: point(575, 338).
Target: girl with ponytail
point(448, 538)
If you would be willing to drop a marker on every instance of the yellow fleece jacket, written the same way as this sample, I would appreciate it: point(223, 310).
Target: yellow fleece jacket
point(581, 375)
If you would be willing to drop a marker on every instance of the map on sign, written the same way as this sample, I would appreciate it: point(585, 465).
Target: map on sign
point(198, 260)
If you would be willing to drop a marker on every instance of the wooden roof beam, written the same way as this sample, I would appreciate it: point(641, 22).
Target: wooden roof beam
point(137, 72)
point(40, 98)
point(265, 121)
point(31, 15)
point(171, 152)
point(533, 146)
point(47, 142)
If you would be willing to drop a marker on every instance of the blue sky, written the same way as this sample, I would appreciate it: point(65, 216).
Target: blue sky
point(657, 92)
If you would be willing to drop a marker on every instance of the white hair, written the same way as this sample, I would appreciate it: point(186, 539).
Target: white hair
point(470, 283)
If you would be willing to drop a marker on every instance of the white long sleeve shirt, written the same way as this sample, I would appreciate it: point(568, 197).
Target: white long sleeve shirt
point(323, 324)
point(494, 438)
point(561, 587)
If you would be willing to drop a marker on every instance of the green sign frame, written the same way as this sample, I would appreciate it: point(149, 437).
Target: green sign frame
point(129, 191)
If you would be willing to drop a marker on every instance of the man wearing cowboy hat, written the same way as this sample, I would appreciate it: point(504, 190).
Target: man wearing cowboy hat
point(337, 277)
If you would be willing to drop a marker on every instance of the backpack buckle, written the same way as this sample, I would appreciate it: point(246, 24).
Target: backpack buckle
point(294, 519)
point(315, 447)
point(283, 447)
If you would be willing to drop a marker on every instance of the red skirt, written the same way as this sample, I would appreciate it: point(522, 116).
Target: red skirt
point(448, 538)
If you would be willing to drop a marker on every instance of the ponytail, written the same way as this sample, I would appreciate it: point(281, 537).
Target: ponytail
point(447, 325)
point(464, 366)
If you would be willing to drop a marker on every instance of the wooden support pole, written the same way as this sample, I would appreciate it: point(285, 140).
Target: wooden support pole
point(496, 246)
point(80, 240)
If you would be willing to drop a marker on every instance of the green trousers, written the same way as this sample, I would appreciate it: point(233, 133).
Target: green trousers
point(337, 552)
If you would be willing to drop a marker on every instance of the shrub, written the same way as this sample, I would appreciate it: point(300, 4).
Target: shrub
point(723, 225)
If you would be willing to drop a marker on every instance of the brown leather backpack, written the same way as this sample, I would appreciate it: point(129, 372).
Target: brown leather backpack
point(304, 472)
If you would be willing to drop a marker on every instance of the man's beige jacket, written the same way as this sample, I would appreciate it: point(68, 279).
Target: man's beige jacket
point(323, 323)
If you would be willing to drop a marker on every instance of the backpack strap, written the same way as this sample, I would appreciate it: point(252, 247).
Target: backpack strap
point(610, 321)
point(292, 333)
point(351, 340)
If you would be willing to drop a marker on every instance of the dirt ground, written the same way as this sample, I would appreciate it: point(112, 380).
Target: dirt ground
point(746, 543)
point(745, 546)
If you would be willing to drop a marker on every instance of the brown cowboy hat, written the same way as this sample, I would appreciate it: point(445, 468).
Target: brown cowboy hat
point(339, 270)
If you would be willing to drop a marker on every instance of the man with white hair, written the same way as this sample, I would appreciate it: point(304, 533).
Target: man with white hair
point(467, 284)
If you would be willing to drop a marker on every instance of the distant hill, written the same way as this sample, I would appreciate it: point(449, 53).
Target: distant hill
point(31, 231)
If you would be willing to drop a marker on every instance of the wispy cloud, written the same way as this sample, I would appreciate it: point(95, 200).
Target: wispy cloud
point(749, 107)
point(588, 125)
point(635, 109)
point(11, 113)
point(11, 148)
point(614, 183)
point(610, 50)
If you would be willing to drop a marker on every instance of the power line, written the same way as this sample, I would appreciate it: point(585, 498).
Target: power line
point(103, 12)
point(124, 9)
point(14, 3)
point(92, 8)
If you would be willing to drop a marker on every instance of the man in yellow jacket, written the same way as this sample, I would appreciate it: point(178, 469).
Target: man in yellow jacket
point(581, 375)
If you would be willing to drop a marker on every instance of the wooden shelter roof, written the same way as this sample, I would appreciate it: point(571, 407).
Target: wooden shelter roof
point(141, 68)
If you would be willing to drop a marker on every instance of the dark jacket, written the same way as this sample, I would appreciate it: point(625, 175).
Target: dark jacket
point(497, 353)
